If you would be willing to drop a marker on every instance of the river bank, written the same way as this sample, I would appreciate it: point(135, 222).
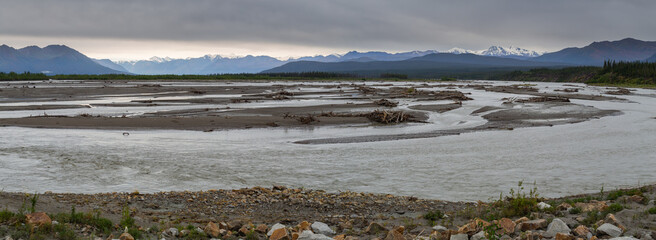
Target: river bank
point(251, 213)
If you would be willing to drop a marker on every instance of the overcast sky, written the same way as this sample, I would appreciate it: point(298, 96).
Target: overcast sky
point(140, 29)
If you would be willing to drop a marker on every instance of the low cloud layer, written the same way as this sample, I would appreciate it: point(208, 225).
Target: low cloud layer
point(331, 24)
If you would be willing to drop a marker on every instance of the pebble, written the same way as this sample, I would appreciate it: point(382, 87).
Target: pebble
point(309, 235)
point(440, 228)
point(479, 236)
point(461, 236)
point(543, 205)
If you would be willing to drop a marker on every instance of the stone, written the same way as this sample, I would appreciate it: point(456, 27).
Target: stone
point(185, 232)
point(279, 234)
point(479, 236)
point(624, 238)
point(533, 224)
point(305, 225)
point(556, 226)
point(564, 236)
point(646, 236)
point(543, 205)
point(38, 219)
point(609, 229)
point(505, 237)
point(223, 225)
point(564, 206)
point(275, 227)
point(610, 218)
point(351, 238)
point(581, 231)
point(339, 237)
point(244, 230)
point(126, 236)
point(309, 235)
point(461, 236)
point(374, 228)
point(473, 226)
point(521, 220)
point(396, 234)
point(212, 229)
point(507, 225)
point(322, 228)
point(592, 206)
point(637, 198)
point(262, 228)
point(440, 228)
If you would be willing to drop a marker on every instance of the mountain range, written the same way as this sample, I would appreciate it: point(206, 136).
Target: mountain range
point(60, 59)
point(53, 59)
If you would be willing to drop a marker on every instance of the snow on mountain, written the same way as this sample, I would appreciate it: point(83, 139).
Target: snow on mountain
point(499, 51)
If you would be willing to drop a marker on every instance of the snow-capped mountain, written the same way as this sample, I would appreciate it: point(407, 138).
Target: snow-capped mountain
point(499, 51)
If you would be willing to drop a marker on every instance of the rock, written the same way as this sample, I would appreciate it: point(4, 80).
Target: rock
point(374, 228)
point(581, 231)
point(521, 220)
point(440, 228)
point(212, 230)
point(305, 225)
point(646, 236)
point(461, 236)
point(279, 234)
point(609, 229)
point(126, 236)
point(396, 234)
point(652, 202)
point(507, 225)
point(38, 219)
point(479, 236)
point(223, 225)
point(351, 238)
point(473, 226)
point(624, 238)
point(533, 224)
point(184, 232)
point(309, 235)
point(262, 228)
point(8, 238)
point(556, 226)
point(322, 228)
point(610, 218)
point(637, 198)
point(564, 236)
point(505, 237)
point(244, 230)
point(592, 206)
point(275, 227)
point(564, 206)
point(543, 205)
point(339, 237)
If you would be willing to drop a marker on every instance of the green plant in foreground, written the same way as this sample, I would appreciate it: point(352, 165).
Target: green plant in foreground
point(613, 208)
point(518, 203)
point(33, 201)
point(652, 210)
point(433, 216)
point(575, 210)
point(492, 231)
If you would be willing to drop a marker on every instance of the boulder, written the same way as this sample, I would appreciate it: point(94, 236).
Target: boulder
point(396, 234)
point(38, 219)
point(173, 232)
point(339, 237)
point(440, 228)
point(461, 236)
point(556, 226)
point(126, 236)
point(521, 220)
point(533, 224)
point(609, 229)
point(305, 225)
point(279, 234)
point(275, 227)
point(211, 229)
point(624, 238)
point(637, 198)
point(479, 236)
point(473, 226)
point(309, 235)
point(581, 231)
point(262, 228)
point(543, 205)
point(507, 225)
point(610, 218)
point(564, 236)
point(322, 228)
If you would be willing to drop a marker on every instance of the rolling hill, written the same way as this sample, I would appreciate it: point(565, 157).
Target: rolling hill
point(595, 54)
point(53, 59)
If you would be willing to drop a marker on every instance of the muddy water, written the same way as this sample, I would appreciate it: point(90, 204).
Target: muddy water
point(565, 159)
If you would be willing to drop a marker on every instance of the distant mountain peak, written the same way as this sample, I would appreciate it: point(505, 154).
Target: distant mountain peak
point(498, 51)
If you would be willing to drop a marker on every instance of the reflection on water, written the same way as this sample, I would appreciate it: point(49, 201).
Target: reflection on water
point(611, 151)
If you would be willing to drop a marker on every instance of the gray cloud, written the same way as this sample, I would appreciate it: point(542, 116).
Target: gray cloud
point(342, 24)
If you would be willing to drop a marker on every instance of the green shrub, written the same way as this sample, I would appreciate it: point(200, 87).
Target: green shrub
point(613, 208)
point(575, 210)
point(652, 210)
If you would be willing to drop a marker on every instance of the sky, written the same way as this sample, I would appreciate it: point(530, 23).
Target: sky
point(140, 29)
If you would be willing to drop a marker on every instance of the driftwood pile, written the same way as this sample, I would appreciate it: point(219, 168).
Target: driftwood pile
point(451, 95)
point(621, 91)
point(535, 99)
point(386, 103)
point(569, 90)
point(282, 95)
point(388, 117)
